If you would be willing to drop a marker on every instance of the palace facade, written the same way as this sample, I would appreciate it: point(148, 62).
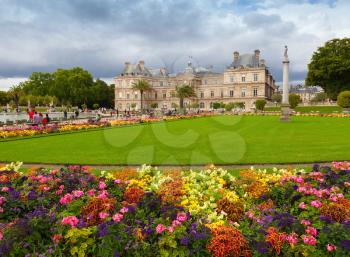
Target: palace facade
point(245, 80)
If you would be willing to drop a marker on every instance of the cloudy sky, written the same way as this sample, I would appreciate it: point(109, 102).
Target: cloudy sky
point(100, 35)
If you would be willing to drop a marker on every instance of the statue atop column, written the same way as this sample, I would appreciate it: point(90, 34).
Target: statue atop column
point(286, 52)
point(285, 101)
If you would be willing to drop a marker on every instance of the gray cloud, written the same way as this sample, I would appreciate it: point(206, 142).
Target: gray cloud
point(100, 35)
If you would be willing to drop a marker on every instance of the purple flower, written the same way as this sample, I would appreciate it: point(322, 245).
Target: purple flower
point(185, 241)
point(32, 195)
point(345, 244)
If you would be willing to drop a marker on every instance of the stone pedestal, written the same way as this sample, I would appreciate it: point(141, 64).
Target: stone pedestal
point(285, 112)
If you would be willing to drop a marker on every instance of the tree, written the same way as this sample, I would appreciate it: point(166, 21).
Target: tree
point(39, 83)
point(343, 99)
point(184, 91)
point(95, 106)
point(194, 105)
point(15, 93)
point(174, 105)
point(154, 105)
point(294, 100)
point(276, 97)
point(260, 104)
point(229, 106)
point(141, 86)
point(330, 67)
point(4, 98)
point(216, 105)
point(319, 97)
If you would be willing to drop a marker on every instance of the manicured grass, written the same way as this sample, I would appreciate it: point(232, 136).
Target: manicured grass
point(219, 139)
point(308, 109)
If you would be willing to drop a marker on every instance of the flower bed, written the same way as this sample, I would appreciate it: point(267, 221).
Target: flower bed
point(38, 130)
point(146, 212)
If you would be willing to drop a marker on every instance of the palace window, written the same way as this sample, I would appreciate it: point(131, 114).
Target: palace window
point(222, 93)
point(164, 95)
point(155, 95)
point(202, 94)
point(135, 95)
point(127, 96)
point(255, 92)
point(243, 78)
point(231, 78)
point(161, 83)
point(231, 93)
point(255, 77)
point(205, 82)
point(201, 105)
point(212, 94)
point(120, 94)
point(243, 92)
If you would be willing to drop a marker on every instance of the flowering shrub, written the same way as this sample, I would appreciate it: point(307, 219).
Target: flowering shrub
point(147, 212)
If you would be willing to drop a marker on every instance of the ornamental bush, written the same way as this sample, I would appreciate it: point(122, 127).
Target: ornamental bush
point(294, 100)
point(260, 104)
point(343, 99)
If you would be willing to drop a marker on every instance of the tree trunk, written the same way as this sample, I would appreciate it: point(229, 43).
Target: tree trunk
point(181, 103)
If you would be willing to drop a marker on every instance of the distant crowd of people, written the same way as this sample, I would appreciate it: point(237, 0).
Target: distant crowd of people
point(38, 118)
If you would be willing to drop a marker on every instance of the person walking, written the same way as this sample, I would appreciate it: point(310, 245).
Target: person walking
point(65, 114)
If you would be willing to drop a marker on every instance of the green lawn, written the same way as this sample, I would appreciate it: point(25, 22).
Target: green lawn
point(219, 139)
point(308, 109)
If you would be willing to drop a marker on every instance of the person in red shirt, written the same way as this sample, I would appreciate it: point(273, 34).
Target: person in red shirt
point(31, 115)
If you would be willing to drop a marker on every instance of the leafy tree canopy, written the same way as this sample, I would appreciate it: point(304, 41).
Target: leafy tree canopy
point(330, 67)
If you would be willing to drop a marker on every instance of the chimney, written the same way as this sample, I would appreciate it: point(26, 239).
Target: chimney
point(257, 56)
point(235, 56)
point(127, 64)
point(262, 62)
point(142, 64)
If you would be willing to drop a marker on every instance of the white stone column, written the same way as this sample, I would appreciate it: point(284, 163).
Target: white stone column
point(285, 96)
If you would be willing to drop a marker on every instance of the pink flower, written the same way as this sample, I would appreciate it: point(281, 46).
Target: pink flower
point(347, 184)
point(302, 205)
point(2, 200)
point(333, 198)
point(91, 192)
point(160, 228)
point(311, 231)
point(103, 194)
point(67, 198)
point(46, 188)
point(124, 210)
point(70, 220)
point(305, 222)
point(117, 181)
point(316, 204)
point(4, 189)
point(102, 185)
point(117, 217)
point(181, 217)
point(59, 192)
point(1, 210)
point(77, 193)
point(292, 239)
point(331, 247)
point(175, 223)
point(61, 187)
point(310, 240)
point(1, 236)
point(103, 215)
point(171, 229)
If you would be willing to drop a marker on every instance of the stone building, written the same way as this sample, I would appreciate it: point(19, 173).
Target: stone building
point(306, 93)
point(245, 80)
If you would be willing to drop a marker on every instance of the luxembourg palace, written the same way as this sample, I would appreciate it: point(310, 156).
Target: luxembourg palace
point(245, 80)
